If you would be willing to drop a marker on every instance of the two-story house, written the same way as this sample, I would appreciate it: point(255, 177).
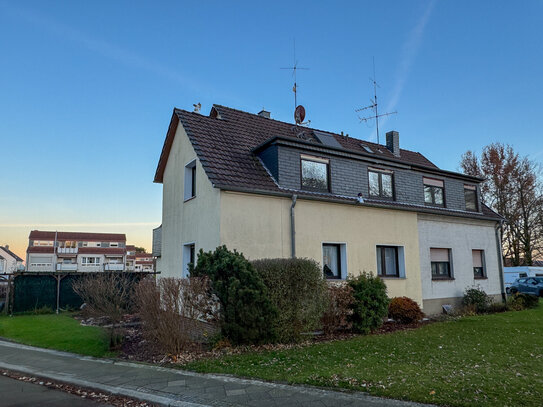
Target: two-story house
point(273, 189)
point(75, 251)
point(9, 261)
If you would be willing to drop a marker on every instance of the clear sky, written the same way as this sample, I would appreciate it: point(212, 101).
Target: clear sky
point(87, 89)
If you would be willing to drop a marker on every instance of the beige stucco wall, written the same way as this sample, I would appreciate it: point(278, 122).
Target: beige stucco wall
point(259, 226)
point(196, 220)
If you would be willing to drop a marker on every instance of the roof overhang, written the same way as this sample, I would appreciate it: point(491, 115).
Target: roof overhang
point(166, 148)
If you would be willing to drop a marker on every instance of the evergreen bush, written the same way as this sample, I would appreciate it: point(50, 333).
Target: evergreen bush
point(371, 302)
point(247, 315)
point(475, 298)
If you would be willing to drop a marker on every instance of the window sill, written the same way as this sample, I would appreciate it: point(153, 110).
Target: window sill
point(391, 278)
point(442, 278)
point(480, 278)
point(189, 199)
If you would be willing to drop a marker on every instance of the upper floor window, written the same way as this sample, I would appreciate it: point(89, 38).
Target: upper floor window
point(43, 243)
point(380, 182)
point(470, 193)
point(190, 180)
point(315, 173)
point(434, 192)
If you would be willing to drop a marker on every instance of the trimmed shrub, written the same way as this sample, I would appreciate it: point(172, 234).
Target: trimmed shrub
point(247, 314)
point(371, 302)
point(476, 299)
point(297, 288)
point(405, 310)
point(340, 303)
point(522, 301)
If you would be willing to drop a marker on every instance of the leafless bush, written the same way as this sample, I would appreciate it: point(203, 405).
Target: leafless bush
point(176, 312)
point(336, 316)
point(106, 295)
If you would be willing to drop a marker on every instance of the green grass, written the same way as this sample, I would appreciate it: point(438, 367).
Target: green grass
point(489, 360)
point(60, 332)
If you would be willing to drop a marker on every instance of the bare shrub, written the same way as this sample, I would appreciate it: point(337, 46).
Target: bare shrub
point(176, 312)
point(340, 302)
point(106, 295)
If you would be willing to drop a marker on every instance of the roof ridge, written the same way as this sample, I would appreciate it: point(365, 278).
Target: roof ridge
point(309, 128)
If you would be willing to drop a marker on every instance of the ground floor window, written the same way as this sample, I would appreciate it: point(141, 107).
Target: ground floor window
point(441, 263)
point(331, 260)
point(478, 263)
point(189, 257)
point(387, 261)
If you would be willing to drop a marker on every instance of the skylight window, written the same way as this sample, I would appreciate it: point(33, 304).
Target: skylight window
point(369, 150)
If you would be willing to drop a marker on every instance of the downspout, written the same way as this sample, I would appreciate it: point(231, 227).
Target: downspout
point(293, 227)
point(497, 230)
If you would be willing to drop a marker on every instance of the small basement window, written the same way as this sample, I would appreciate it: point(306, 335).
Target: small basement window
point(190, 180)
point(315, 173)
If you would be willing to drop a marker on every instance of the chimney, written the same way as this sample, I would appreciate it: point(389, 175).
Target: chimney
point(6, 247)
point(393, 142)
point(264, 113)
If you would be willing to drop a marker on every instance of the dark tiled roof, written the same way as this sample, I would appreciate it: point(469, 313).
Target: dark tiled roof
point(82, 236)
point(11, 253)
point(225, 140)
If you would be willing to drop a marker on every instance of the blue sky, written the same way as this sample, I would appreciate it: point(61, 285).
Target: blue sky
point(87, 89)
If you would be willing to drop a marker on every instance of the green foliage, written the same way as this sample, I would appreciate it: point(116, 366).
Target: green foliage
point(476, 299)
point(60, 332)
point(404, 309)
point(297, 288)
point(247, 314)
point(371, 302)
point(522, 301)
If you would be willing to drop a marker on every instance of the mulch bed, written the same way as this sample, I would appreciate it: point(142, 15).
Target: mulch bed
point(136, 348)
point(85, 393)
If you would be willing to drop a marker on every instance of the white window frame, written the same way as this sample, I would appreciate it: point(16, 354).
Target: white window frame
point(84, 261)
point(342, 260)
point(189, 186)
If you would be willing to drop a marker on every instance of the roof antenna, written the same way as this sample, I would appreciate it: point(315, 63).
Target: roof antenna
point(373, 106)
point(299, 111)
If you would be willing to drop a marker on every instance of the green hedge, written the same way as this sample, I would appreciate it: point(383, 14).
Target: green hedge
point(298, 290)
point(371, 302)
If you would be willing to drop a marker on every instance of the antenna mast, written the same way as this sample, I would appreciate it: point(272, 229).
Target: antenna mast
point(374, 106)
point(294, 68)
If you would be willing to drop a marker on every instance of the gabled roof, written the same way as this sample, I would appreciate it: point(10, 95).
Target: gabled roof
point(226, 141)
point(79, 236)
point(11, 253)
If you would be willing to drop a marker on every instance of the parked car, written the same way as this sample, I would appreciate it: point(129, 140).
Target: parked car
point(528, 285)
point(512, 273)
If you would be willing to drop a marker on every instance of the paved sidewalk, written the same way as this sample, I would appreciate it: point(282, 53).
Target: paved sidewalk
point(172, 387)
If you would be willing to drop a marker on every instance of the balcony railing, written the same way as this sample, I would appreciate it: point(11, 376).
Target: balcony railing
point(67, 267)
point(67, 250)
point(113, 267)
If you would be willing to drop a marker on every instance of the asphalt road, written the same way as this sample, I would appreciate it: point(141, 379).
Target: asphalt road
point(16, 393)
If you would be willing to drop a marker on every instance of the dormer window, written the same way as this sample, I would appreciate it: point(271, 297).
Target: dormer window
point(470, 194)
point(315, 173)
point(434, 192)
point(380, 183)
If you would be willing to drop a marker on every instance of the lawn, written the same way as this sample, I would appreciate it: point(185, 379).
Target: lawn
point(60, 332)
point(489, 360)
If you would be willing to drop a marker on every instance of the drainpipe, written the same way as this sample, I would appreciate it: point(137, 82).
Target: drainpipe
point(497, 229)
point(293, 227)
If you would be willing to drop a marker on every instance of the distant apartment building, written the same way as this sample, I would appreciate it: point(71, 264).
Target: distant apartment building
point(9, 261)
point(75, 251)
point(144, 262)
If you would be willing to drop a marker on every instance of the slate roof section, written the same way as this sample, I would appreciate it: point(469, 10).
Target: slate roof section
point(225, 142)
point(11, 253)
point(78, 236)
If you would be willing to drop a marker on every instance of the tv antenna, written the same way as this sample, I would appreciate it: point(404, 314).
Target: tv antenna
point(294, 68)
point(374, 106)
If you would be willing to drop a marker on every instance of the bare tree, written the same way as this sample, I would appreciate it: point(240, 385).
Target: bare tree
point(512, 188)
